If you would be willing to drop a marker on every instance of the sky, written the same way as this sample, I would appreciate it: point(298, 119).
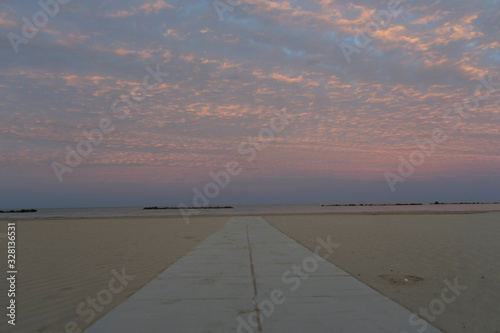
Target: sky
point(162, 102)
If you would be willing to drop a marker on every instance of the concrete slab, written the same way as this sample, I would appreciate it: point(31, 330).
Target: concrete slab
point(173, 316)
point(230, 283)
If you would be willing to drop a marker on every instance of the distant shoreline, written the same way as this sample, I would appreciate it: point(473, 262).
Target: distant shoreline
point(413, 204)
point(256, 210)
point(194, 207)
point(19, 211)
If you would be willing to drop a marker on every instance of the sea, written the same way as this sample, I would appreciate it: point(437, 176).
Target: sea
point(96, 212)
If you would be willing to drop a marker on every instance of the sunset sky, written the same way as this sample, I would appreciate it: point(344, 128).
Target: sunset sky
point(357, 107)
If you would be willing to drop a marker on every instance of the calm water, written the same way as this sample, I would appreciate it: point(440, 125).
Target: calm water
point(242, 210)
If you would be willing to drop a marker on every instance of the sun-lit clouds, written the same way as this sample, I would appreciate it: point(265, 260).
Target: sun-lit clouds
point(143, 54)
point(433, 17)
point(286, 79)
point(150, 7)
point(155, 7)
point(119, 13)
point(6, 22)
point(189, 58)
point(227, 64)
point(74, 80)
point(167, 55)
point(470, 68)
point(462, 29)
point(224, 78)
point(267, 5)
point(395, 34)
point(489, 46)
point(171, 33)
point(276, 76)
point(72, 40)
point(357, 16)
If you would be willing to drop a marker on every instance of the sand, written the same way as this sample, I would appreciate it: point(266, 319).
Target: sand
point(63, 262)
point(426, 249)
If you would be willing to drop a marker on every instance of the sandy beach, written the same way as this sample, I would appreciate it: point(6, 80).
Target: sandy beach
point(63, 262)
point(407, 257)
point(382, 250)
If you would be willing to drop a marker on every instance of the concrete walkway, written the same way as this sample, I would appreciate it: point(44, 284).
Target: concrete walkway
point(249, 277)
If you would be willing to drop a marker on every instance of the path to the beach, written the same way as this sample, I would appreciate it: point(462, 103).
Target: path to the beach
point(249, 277)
